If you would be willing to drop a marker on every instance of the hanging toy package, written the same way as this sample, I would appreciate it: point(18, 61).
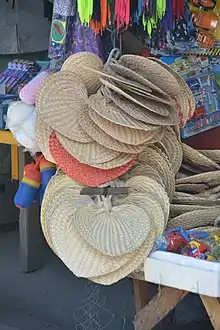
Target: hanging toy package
point(202, 75)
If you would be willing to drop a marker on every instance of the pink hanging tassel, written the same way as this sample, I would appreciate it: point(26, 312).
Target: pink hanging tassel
point(127, 15)
point(122, 12)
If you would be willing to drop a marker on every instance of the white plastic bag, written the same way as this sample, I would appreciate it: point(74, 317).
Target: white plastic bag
point(21, 121)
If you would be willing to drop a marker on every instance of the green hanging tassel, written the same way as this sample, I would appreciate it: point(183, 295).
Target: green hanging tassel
point(144, 22)
point(149, 27)
point(153, 21)
point(164, 6)
point(159, 8)
point(90, 10)
point(112, 10)
point(87, 11)
point(80, 6)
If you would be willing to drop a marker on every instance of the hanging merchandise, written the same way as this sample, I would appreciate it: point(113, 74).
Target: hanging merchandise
point(122, 13)
point(69, 34)
point(28, 188)
point(47, 170)
point(120, 111)
point(168, 26)
point(100, 17)
point(109, 132)
point(34, 182)
point(84, 39)
point(205, 18)
point(187, 27)
point(60, 34)
point(113, 131)
point(173, 30)
point(202, 76)
point(85, 10)
point(17, 74)
point(28, 92)
point(152, 14)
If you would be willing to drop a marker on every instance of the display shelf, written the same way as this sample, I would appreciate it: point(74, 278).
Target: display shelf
point(6, 137)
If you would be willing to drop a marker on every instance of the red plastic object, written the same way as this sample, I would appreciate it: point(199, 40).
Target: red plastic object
point(205, 39)
point(205, 20)
point(31, 175)
point(207, 4)
point(175, 242)
point(145, 52)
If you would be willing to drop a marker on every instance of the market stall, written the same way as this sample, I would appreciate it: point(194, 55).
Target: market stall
point(121, 193)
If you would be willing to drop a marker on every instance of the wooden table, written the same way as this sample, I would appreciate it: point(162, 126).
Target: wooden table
point(31, 239)
point(150, 313)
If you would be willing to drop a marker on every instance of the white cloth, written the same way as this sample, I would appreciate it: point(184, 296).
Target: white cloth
point(21, 121)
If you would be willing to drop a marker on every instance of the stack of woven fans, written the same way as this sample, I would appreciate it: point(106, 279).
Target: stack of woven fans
point(196, 201)
point(113, 132)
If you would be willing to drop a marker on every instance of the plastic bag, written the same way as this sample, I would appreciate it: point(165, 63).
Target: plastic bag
point(21, 121)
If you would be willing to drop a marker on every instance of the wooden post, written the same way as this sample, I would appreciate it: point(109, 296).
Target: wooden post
point(166, 299)
point(14, 163)
point(31, 238)
point(212, 307)
point(141, 297)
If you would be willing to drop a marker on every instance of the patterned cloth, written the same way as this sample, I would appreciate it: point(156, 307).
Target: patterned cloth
point(69, 36)
point(65, 7)
point(84, 39)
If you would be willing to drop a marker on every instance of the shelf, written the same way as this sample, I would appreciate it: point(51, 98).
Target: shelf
point(7, 138)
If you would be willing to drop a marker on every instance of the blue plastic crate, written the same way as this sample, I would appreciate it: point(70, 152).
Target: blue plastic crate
point(5, 100)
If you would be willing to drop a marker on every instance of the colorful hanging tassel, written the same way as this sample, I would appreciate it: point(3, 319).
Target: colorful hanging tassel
point(154, 12)
point(122, 13)
point(140, 7)
point(28, 189)
point(178, 8)
point(97, 25)
point(167, 20)
point(47, 170)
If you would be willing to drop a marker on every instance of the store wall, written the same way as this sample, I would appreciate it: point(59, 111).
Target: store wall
point(23, 28)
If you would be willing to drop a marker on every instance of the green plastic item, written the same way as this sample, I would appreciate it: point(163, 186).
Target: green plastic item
point(150, 24)
point(80, 7)
point(85, 9)
point(161, 8)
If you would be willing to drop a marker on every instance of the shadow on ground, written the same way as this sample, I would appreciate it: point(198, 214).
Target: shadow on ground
point(53, 298)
